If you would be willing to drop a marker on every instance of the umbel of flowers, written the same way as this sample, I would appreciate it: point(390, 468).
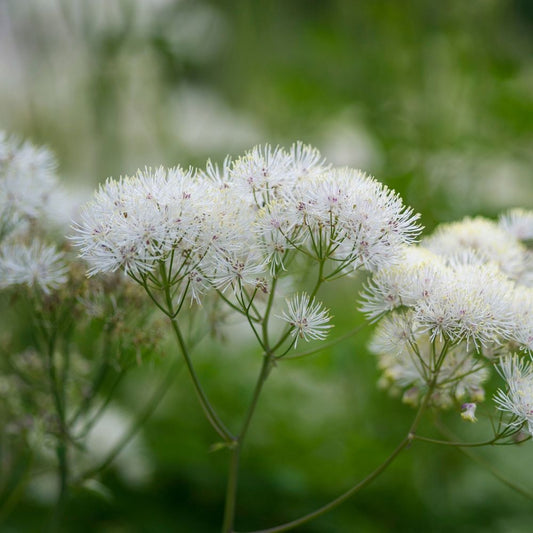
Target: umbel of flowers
point(234, 231)
point(66, 342)
point(450, 309)
point(455, 306)
point(240, 225)
point(260, 235)
point(27, 180)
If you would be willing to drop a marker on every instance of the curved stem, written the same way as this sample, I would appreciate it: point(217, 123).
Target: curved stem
point(97, 380)
point(498, 475)
point(319, 281)
point(406, 441)
point(233, 475)
point(208, 409)
point(101, 408)
point(287, 332)
point(343, 497)
point(491, 442)
point(485, 464)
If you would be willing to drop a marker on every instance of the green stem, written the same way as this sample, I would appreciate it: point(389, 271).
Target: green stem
point(323, 346)
point(231, 492)
point(407, 440)
point(319, 280)
point(97, 381)
point(284, 336)
point(208, 409)
point(57, 390)
point(343, 497)
point(233, 475)
point(527, 493)
point(268, 309)
point(102, 407)
point(485, 464)
point(491, 442)
point(136, 425)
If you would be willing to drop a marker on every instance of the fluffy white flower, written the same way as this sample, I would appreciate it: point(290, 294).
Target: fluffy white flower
point(235, 270)
point(277, 232)
point(27, 178)
point(233, 223)
point(416, 276)
point(352, 218)
point(220, 176)
point(261, 171)
point(522, 318)
point(36, 265)
point(233, 257)
point(136, 221)
point(474, 305)
point(306, 162)
point(395, 333)
point(519, 223)
point(308, 320)
point(518, 398)
point(484, 237)
point(407, 357)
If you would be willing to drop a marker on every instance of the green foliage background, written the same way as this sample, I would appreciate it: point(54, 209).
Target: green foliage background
point(433, 98)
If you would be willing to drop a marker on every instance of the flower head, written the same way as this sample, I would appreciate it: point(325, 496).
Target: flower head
point(308, 320)
point(518, 399)
point(36, 265)
point(474, 305)
point(232, 225)
point(352, 218)
point(519, 223)
point(261, 171)
point(136, 221)
point(488, 240)
point(407, 357)
point(306, 162)
point(522, 313)
point(417, 276)
point(27, 178)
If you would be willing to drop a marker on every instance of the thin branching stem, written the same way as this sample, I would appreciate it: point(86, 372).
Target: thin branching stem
point(324, 346)
point(136, 425)
point(208, 409)
point(526, 492)
point(365, 481)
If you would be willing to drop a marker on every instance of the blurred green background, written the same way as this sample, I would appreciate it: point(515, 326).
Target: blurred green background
point(433, 98)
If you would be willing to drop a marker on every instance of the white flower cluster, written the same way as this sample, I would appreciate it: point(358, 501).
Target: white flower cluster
point(490, 241)
point(409, 358)
point(519, 223)
point(35, 265)
point(235, 225)
point(518, 400)
point(464, 290)
point(27, 177)
point(458, 301)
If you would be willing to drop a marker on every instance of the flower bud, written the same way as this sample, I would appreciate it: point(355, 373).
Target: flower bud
point(469, 412)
